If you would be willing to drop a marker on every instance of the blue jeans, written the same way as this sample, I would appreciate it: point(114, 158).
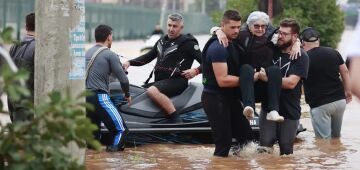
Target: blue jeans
point(327, 119)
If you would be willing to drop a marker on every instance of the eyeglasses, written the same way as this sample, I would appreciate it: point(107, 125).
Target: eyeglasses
point(257, 26)
point(284, 33)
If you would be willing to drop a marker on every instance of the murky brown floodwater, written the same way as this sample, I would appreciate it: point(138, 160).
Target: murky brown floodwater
point(309, 153)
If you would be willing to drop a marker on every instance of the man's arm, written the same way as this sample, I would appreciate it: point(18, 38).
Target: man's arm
point(222, 77)
point(193, 52)
point(295, 50)
point(298, 70)
point(355, 75)
point(290, 82)
point(143, 59)
point(118, 71)
point(221, 36)
point(344, 73)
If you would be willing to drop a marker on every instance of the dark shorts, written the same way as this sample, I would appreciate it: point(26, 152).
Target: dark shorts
point(170, 87)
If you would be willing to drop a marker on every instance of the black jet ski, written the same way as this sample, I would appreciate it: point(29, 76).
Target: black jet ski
point(146, 121)
point(144, 116)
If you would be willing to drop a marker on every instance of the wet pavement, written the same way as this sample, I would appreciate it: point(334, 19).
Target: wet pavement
point(309, 153)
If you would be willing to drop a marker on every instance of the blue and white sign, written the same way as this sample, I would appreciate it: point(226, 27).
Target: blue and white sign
point(77, 44)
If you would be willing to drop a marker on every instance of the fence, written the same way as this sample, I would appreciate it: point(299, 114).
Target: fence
point(128, 22)
point(13, 12)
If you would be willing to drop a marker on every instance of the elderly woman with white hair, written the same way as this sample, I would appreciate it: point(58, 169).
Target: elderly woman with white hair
point(260, 79)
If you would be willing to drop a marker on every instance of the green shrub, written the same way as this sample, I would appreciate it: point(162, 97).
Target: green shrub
point(323, 15)
point(245, 7)
point(41, 143)
point(6, 35)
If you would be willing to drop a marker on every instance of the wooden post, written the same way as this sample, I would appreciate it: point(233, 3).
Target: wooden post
point(270, 9)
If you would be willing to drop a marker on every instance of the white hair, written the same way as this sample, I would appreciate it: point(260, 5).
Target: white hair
point(256, 16)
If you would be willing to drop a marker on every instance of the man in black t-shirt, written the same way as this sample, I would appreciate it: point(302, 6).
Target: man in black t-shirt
point(293, 72)
point(221, 94)
point(324, 91)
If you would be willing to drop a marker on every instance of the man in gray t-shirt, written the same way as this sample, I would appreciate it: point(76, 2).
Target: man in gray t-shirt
point(101, 63)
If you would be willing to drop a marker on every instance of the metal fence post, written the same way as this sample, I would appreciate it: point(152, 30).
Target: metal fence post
point(18, 19)
point(4, 13)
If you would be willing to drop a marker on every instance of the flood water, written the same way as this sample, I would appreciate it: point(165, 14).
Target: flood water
point(309, 153)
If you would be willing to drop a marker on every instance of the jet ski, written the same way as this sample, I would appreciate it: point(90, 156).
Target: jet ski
point(144, 116)
point(147, 122)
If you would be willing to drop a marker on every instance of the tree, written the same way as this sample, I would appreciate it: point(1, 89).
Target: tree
point(6, 35)
point(323, 15)
point(245, 7)
point(41, 142)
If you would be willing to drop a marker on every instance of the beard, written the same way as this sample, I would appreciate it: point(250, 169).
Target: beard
point(285, 45)
point(234, 36)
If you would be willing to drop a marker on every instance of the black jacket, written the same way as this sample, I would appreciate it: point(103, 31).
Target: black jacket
point(259, 50)
point(170, 53)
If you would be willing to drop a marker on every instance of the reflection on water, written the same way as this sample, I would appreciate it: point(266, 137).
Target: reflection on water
point(309, 153)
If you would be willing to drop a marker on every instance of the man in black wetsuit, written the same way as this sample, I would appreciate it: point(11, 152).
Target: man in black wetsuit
point(175, 54)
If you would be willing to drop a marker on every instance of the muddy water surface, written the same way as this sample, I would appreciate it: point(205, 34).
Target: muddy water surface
point(309, 153)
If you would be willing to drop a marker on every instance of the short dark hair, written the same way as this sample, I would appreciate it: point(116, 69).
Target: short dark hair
point(231, 15)
point(292, 23)
point(30, 21)
point(102, 32)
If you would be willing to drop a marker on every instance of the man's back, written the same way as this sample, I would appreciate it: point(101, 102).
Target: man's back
point(23, 56)
point(105, 63)
point(323, 84)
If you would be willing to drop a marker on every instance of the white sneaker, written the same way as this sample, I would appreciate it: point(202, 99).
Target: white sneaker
point(248, 112)
point(274, 116)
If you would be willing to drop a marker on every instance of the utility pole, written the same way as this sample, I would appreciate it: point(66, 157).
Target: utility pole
point(222, 4)
point(203, 7)
point(4, 13)
point(60, 52)
point(270, 9)
point(163, 12)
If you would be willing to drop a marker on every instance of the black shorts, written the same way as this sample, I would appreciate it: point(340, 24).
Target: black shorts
point(170, 87)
